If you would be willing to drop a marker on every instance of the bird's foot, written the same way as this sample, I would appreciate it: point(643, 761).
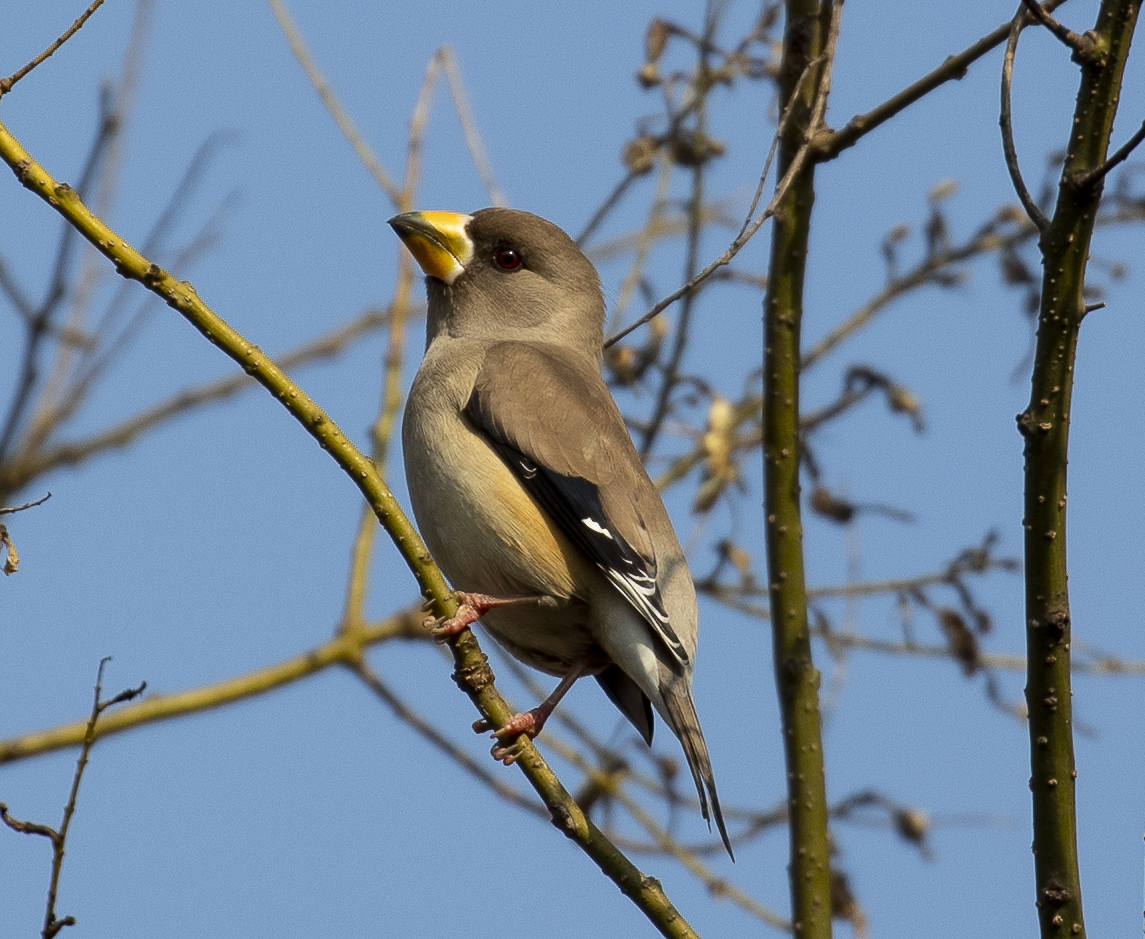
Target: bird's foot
point(472, 606)
point(527, 724)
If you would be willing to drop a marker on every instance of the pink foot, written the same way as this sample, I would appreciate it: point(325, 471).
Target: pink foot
point(528, 723)
point(472, 607)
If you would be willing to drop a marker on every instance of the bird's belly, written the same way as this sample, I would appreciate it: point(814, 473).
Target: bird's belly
point(489, 536)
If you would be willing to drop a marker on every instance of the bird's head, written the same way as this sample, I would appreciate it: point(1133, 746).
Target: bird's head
point(504, 274)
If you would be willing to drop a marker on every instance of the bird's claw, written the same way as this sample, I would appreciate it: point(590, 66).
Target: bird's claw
point(471, 607)
point(442, 629)
point(507, 754)
point(525, 725)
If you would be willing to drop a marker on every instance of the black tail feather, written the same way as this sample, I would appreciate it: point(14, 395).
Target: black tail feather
point(686, 726)
point(627, 696)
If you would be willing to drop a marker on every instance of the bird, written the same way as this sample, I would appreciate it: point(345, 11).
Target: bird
point(526, 485)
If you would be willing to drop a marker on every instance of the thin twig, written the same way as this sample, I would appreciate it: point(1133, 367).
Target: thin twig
point(668, 844)
point(830, 144)
point(124, 93)
point(650, 232)
point(58, 837)
point(1119, 156)
point(749, 231)
point(1080, 45)
point(341, 116)
point(1037, 216)
point(15, 293)
point(469, 127)
point(41, 324)
point(671, 372)
point(116, 103)
point(340, 650)
point(57, 406)
point(607, 206)
point(381, 432)
point(928, 271)
point(71, 453)
point(7, 83)
point(27, 505)
point(436, 738)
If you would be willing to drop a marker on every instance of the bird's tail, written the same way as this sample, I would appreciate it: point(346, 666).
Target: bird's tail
point(681, 714)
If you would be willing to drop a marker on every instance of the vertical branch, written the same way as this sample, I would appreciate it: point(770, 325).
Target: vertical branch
point(808, 36)
point(1045, 427)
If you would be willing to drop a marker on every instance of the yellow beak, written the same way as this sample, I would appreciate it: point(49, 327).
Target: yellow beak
point(437, 240)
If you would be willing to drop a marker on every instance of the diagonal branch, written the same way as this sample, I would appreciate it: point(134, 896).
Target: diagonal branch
point(750, 227)
point(1083, 46)
point(326, 93)
point(830, 144)
point(472, 671)
point(7, 83)
point(1120, 156)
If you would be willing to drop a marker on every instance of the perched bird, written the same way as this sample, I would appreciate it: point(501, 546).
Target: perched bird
point(526, 484)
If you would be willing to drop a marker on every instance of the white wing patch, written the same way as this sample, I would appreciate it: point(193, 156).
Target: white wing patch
point(574, 503)
point(595, 526)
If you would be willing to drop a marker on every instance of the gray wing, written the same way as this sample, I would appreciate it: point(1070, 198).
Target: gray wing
point(556, 426)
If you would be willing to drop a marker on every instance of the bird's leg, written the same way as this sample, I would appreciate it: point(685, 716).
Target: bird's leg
point(528, 723)
point(472, 606)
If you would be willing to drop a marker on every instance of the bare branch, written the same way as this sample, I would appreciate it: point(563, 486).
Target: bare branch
point(830, 145)
point(469, 127)
point(341, 650)
point(749, 230)
point(325, 92)
point(436, 738)
point(121, 435)
point(1083, 46)
point(1119, 156)
point(1037, 216)
point(58, 838)
point(27, 505)
point(7, 83)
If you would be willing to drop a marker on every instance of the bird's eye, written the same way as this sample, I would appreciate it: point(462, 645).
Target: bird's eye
point(508, 259)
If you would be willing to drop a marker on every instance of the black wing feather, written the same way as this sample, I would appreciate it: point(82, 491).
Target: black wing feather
point(574, 503)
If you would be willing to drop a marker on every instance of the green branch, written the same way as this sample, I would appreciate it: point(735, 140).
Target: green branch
point(808, 44)
point(472, 673)
point(1045, 426)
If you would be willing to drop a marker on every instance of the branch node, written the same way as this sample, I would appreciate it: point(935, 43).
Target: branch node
point(1086, 47)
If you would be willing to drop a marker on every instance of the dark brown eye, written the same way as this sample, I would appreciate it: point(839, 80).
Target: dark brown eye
point(508, 259)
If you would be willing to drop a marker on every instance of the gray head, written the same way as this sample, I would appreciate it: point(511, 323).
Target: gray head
point(505, 274)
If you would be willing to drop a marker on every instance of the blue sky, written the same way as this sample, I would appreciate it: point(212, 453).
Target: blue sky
point(220, 543)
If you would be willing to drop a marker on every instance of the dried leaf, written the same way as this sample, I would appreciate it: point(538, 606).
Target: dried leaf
point(11, 558)
point(943, 189)
point(718, 446)
point(823, 502)
point(639, 155)
point(845, 906)
point(959, 639)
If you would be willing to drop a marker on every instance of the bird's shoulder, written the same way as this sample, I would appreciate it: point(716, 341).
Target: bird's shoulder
point(552, 405)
